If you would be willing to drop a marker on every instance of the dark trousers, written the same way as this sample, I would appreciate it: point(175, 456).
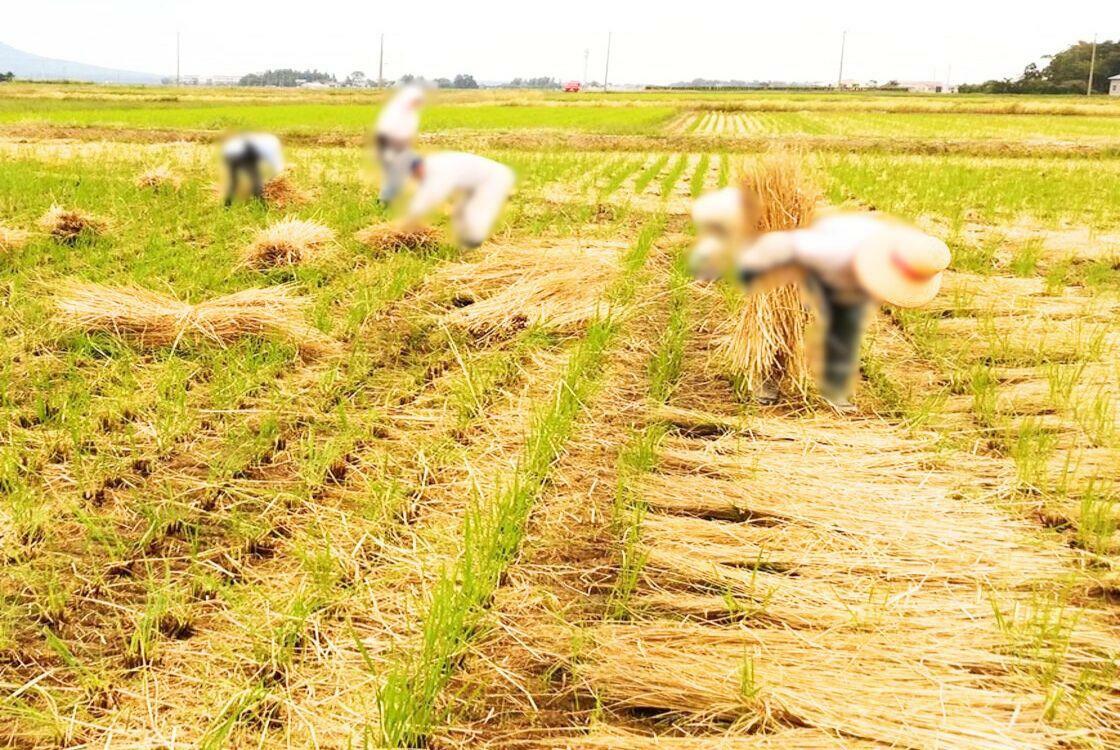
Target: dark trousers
point(247, 163)
point(843, 330)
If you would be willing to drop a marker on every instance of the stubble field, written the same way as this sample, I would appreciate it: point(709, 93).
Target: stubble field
point(514, 497)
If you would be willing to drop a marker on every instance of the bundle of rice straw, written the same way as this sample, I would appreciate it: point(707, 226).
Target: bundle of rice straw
point(516, 287)
point(159, 178)
point(156, 320)
point(67, 226)
point(11, 238)
point(281, 191)
point(767, 342)
point(288, 241)
point(386, 238)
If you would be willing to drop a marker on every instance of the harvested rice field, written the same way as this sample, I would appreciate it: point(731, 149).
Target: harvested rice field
point(275, 476)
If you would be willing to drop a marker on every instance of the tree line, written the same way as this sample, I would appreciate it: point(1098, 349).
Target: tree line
point(285, 77)
point(1066, 72)
point(467, 81)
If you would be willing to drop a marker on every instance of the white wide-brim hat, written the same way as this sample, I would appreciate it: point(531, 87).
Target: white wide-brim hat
point(903, 266)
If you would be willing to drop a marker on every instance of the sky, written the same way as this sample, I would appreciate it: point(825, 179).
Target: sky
point(652, 42)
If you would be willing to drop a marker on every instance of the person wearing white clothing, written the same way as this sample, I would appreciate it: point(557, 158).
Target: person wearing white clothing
point(851, 261)
point(395, 133)
point(478, 186)
point(244, 155)
point(721, 220)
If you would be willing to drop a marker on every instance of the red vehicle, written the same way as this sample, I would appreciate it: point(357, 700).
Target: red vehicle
point(572, 87)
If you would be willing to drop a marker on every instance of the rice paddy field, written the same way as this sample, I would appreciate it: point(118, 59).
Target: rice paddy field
point(339, 494)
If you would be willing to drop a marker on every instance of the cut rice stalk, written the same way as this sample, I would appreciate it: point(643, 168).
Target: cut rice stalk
point(281, 192)
point(287, 242)
point(387, 238)
point(766, 342)
point(156, 320)
point(67, 226)
point(159, 178)
point(872, 686)
point(517, 286)
point(12, 238)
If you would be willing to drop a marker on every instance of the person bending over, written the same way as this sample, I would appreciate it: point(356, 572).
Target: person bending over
point(477, 186)
point(253, 156)
point(850, 261)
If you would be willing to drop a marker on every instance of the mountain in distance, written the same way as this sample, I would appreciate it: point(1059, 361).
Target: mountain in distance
point(29, 67)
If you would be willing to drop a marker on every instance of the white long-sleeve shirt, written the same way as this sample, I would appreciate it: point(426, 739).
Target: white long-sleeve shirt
point(450, 172)
point(266, 145)
point(826, 248)
point(399, 120)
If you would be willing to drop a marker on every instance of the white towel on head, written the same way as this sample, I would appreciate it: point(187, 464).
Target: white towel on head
point(721, 209)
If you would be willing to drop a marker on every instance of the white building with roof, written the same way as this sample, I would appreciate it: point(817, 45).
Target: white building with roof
point(1114, 85)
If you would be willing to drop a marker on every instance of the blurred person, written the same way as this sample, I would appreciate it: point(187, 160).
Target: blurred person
point(395, 133)
point(723, 222)
point(245, 155)
point(850, 261)
point(478, 187)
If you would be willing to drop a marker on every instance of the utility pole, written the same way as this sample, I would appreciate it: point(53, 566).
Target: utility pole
point(1092, 65)
point(607, 69)
point(586, 55)
point(381, 64)
point(840, 76)
point(176, 58)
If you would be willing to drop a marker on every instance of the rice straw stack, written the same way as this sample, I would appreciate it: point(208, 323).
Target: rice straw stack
point(767, 342)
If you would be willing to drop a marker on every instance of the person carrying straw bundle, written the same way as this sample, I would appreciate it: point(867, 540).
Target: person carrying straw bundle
point(765, 230)
point(850, 261)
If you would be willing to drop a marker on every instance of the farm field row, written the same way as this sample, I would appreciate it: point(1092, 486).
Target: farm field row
point(742, 101)
point(923, 125)
point(523, 501)
point(280, 114)
point(1012, 194)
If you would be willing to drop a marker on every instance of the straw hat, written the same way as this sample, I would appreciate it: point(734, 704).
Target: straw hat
point(903, 266)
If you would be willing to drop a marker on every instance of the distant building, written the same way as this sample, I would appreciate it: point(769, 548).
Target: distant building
point(1114, 85)
point(209, 80)
point(928, 87)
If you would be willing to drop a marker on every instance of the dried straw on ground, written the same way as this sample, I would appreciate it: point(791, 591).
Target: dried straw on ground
point(281, 191)
point(156, 320)
point(11, 238)
point(287, 242)
point(386, 237)
point(67, 226)
point(767, 342)
point(159, 178)
point(519, 286)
